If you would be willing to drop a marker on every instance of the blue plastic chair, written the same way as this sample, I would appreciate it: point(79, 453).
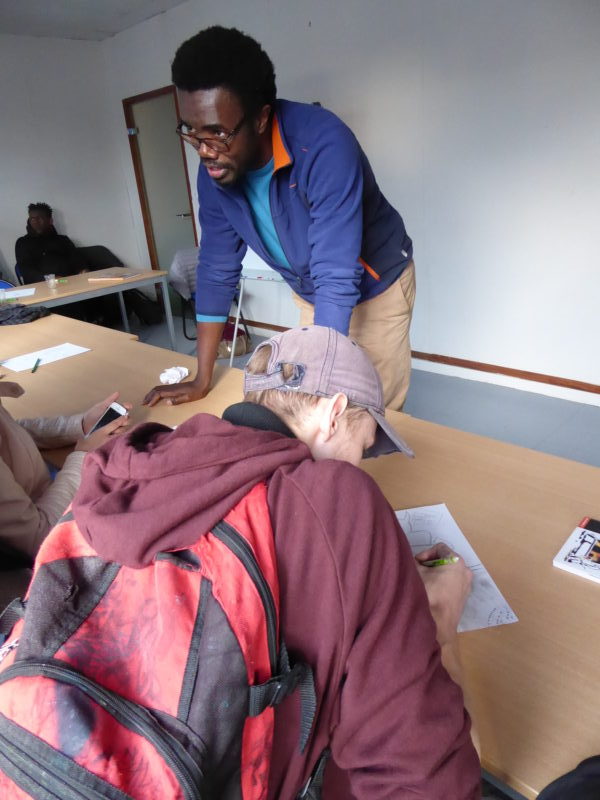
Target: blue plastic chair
point(19, 274)
point(6, 284)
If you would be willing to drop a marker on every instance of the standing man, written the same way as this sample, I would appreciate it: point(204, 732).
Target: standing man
point(291, 181)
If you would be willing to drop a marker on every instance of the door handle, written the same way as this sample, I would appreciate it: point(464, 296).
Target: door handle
point(187, 214)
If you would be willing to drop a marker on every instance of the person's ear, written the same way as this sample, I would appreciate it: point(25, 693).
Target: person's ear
point(333, 409)
point(262, 119)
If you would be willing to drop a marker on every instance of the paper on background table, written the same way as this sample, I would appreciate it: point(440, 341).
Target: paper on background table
point(47, 356)
point(115, 275)
point(428, 525)
point(10, 293)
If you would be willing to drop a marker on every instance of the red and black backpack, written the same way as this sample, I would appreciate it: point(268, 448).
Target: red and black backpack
point(149, 684)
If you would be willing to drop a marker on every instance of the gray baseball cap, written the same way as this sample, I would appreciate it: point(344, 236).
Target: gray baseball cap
point(327, 362)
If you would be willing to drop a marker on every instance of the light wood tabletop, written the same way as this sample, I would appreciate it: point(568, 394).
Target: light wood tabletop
point(112, 364)
point(532, 683)
point(52, 330)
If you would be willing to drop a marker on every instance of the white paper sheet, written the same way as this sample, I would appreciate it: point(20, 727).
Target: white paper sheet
point(47, 356)
point(428, 525)
point(11, 293)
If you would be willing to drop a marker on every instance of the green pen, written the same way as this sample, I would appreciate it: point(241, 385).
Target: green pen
point(36, 365)
point(62, 280)
point(440, 562)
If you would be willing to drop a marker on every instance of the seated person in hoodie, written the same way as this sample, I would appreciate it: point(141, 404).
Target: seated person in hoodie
point(354, 602)
point(30, 501)
point(43, 251)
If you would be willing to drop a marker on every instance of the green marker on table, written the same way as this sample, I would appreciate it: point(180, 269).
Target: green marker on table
point(36, 365)
point(440, 562)
point(62, 280)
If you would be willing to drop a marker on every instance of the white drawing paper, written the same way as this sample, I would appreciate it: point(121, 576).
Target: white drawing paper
point(47, 356)
point(12, 293)
point(428, 525)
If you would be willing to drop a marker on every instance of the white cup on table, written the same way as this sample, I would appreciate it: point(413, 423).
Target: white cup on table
point(51, 281)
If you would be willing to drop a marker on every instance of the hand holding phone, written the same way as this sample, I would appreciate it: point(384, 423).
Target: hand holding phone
point(101, 421)
point(114, 411)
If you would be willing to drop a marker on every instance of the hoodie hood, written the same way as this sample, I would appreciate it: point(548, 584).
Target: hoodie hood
point(158, 489)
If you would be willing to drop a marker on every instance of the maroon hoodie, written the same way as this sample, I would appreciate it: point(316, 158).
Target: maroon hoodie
point(352, 603)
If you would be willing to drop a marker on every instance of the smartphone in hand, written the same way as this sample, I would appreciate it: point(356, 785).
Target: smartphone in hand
point(114, 411)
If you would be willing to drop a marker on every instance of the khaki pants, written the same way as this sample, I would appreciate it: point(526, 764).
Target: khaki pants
point(381, 327)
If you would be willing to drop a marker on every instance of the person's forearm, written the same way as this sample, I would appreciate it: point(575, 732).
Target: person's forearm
point(49, 432)
point(451, 661)
point(452, 664)
point(209, 335)
point(61, 491)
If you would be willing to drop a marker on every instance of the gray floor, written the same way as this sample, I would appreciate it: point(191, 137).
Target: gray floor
point(559, 427)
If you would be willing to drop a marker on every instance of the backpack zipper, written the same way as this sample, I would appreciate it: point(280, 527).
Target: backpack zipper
point(240, 547)
point(13, 757)
point(133, 716)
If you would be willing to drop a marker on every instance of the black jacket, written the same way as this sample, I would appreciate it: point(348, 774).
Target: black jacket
point(49, 253)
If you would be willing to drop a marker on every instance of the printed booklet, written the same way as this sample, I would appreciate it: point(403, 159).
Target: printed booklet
point(580, 554)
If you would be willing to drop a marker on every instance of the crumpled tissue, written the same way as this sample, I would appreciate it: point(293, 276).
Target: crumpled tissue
point(174, 374)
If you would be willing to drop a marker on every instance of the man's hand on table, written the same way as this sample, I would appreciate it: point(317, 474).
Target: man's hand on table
point(176, 393)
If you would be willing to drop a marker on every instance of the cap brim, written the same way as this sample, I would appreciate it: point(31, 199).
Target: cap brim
point(386, 439)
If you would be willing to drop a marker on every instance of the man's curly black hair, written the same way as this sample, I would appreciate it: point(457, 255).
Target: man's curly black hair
point(226, 57)
point(44, 208)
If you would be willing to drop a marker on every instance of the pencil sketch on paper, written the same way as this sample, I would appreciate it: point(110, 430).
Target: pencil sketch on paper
point(428, 525)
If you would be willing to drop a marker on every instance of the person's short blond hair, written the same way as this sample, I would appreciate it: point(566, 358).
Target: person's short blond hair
point(291, 406)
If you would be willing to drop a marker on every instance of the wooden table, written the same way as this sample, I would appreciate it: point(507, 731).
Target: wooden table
point(52, 330)
point(532, 683)
point(79, 287)
point(115, 362)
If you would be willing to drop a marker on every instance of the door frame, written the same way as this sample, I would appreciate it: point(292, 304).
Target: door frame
point(128, 104)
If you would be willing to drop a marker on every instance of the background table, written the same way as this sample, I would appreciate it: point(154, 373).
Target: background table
point(531, 684)
point(78, 287)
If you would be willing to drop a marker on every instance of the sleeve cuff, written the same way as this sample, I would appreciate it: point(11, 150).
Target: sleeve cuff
point(210, 318)
point(331, 315)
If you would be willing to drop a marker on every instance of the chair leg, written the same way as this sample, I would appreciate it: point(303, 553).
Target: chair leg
point(245, 327)
point(184, 305)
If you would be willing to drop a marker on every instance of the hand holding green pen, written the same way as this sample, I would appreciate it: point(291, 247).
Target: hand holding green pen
point(447, 589)
point(440, 562)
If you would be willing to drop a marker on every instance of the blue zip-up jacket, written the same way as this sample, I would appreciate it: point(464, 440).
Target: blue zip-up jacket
point(344, 241)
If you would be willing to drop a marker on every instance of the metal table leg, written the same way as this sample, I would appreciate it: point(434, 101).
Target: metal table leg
point(168, 312)
point(237, 320)
point(124, 312)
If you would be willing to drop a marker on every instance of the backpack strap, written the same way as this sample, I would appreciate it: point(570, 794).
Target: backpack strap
point(13, 612)
point(313, 786)
point(280, 686)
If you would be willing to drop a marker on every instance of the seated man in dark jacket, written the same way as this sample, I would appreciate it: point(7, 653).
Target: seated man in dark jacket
point(43, 251)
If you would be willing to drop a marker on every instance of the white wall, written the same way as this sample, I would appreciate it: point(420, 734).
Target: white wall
point(56, 145)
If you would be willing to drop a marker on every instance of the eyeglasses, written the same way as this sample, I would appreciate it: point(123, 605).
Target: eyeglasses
point(221, 142)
